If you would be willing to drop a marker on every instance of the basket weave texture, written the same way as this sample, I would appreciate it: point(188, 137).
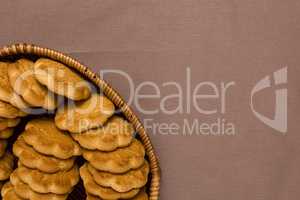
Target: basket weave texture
point(22, 49)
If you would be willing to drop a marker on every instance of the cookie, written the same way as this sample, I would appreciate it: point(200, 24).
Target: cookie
point(34, 160)
point(105, 193)
point(118, 161)
point(3, 145)
point(61, 80)
point(45, 138)
point(133, 179)
point(8, 123)
point(22, 78)
point(142, 195)
point(84, 115)
point(17, 101)
point(58, 183)
point(116, 133)
point(7, 93)
point(9, 111)
point(24, 191)
point(92, 197)
point(8, 192)
point(6, 133)
point(6, 166)
point(5, 87)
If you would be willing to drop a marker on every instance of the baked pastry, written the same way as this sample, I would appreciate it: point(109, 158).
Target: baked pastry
point(22, 79)
point(116, 167)
point(5, 87)
point(9, 111)
point(119, 161)
point(134, 179)
point(23, 190)
point(6, 133)
point(45, 138)
point(142, 195)
point(6, 166)
point(92, 197)
point(58, 183)
point(84, 115)
point(116, 133)
point(8, 192)
point(105, 193)
point(7, 93)
point(34, 160)
point(61, 80)
point(8, 123)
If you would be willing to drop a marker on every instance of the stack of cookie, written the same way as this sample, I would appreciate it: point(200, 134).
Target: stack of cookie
point(6, 167)
point(9, 118)
point(46, 168)
point(47, 149)
point(116, 167)
point(46, 155)
point(6, 158)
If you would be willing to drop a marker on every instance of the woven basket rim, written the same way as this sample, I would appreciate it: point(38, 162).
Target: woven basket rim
point(112, 94)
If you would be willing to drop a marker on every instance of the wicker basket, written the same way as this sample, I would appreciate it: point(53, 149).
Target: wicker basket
point(28, 50)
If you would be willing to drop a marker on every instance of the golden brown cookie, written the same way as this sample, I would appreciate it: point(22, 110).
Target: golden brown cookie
point(45, 138)
point(34, 160)
point(116, 133)
point(6, 133)
point(84, 115)
point(6, 166)
point(118, 161)
point(3, 145)
point(23, 190)
point(58, 183)
point(61, 80)
point(92, 197)
point(8, 123)
point(22, 78)
point(17, 101)
point(9, 111)
point(5, 88)
point(105, 193)
point(134, 179)
point(142, 195)
point(8, 192)
point(7, 93)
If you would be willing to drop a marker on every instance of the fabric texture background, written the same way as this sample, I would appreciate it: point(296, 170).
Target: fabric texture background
point(219, 41)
